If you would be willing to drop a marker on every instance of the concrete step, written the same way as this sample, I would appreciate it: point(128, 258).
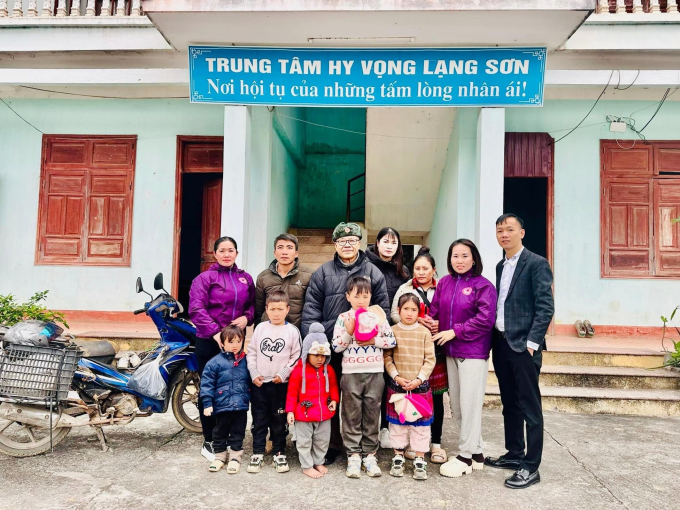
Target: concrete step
point(315, 240)
point(569, 399)
point(604, 377)
point(317, 248)
point(323, 232)
point(315, 257)
point(604, 357)
point(122, 341)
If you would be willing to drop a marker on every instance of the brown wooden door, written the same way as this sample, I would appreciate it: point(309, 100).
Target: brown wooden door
point(212, 220)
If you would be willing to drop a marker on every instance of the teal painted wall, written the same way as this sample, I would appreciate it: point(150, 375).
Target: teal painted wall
point(332, 157)
point(157, 124)
point(580, 293)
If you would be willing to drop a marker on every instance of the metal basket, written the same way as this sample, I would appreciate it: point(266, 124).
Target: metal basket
point(37, 374)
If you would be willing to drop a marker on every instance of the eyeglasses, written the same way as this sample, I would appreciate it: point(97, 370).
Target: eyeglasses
point(347, 242)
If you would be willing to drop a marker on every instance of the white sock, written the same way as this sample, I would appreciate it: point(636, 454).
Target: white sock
point(436, 445)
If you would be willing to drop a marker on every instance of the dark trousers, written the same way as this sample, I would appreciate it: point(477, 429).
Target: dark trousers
point(230, 430)
point(336, 436)
point(383, 404)
point(206, 349)
point(517, 374)
point(268, 407)
point(437, 418)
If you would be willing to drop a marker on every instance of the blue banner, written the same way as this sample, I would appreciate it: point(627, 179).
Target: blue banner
point(367, 77)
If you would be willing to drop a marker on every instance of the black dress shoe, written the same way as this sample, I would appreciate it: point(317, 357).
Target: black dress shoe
point(331, 455)
point(502, 463)
point(523, 479)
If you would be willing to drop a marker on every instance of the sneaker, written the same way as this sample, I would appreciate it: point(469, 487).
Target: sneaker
point(255, 464)
point(455, 468)
point(207, 451)
point(419, 469)
point(280, 463)
point(370, 465)
point(397, 465)
point(353, 467)
point(385, 439)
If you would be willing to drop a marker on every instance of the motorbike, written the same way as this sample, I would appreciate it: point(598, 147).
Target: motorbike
point(100, 394)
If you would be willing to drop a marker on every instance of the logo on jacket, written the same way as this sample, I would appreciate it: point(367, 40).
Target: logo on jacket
point(271, 346)
point(298, 283)
point(243, 280)
point(467, 291)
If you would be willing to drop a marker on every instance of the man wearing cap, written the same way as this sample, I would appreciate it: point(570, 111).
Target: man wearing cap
point(325, 299)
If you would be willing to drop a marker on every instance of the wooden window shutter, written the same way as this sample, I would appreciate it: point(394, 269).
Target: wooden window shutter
point(85, 215)
point(627, 227)
point(666, 209)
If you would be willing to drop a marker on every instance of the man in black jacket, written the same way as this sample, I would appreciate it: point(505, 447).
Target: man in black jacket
point(325, 300)
point(525, 309)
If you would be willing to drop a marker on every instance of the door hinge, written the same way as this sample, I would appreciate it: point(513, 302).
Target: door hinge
point(40, 246)
point(130, 185)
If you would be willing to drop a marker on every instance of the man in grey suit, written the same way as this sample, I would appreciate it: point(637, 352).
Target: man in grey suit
point(525, 309)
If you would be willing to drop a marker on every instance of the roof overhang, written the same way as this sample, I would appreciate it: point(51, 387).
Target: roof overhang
point(419, 23)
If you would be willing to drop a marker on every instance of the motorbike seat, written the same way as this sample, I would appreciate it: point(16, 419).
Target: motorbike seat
point(97, 349)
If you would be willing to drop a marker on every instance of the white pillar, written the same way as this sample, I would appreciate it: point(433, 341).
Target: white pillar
point(489, 185)
point(236, 183)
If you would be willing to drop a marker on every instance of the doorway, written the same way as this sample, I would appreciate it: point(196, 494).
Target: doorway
point(198, 210)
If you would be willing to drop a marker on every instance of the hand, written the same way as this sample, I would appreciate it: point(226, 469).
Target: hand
point(350, 324)
point(258, 381)
point(444, 336)
point(291, 418)
point(217, 339)
point(241, 322)
point(332, 406)
point(277, 380)
point(401, 381)
point(208, 411)
point(413, 384)
point(434, 327)
point(531, 351)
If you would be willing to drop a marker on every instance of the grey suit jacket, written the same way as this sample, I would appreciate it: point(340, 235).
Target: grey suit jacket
point(529, 307)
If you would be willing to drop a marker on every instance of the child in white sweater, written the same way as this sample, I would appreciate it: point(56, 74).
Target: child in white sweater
point(361, 334)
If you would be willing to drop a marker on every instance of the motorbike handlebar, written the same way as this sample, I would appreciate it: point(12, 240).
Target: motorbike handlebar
point(137, 312)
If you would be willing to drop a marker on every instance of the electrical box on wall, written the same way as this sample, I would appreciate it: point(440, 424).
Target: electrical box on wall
point(617, 127)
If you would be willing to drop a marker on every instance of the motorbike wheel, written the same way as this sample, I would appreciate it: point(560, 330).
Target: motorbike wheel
point(21, 440)
point(185, 402)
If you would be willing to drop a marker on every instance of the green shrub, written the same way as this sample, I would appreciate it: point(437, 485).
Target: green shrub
point(674, 360)
point(12, 311)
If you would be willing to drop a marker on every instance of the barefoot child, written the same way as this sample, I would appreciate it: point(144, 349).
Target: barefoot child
point(312, 400)
point(225, 393)
point(273, 352)
point(409, 366)
point(361, 335)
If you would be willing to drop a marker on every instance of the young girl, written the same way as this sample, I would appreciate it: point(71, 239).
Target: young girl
point(225, 395)
point(409, 366)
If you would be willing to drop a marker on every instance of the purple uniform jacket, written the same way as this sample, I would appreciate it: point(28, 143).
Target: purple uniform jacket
point(218, 296)
point(467, 305)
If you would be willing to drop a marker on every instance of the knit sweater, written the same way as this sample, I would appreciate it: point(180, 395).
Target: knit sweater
point(414, 354)
point(357, 357)
point(273, 350)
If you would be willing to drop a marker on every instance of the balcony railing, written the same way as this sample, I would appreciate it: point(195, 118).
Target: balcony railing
point(637, 6)
point(70, 8)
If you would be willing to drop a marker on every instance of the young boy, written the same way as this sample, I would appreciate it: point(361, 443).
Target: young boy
point(362, 381)
point(312, 399)
point(225, 392)
point(273, 352)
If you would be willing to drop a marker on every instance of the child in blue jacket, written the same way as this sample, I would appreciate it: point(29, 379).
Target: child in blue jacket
point(225, 392)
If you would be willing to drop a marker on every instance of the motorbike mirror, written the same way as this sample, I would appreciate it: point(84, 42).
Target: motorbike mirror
point(138, 286)
point(158, 282)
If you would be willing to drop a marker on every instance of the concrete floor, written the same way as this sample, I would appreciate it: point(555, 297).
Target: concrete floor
point(594, 462)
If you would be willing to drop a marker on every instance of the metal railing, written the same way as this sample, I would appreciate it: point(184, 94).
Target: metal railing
point(351, 194)
point(637, 6)
point(70, 8)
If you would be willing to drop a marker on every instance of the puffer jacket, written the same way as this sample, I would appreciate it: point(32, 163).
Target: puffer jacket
point(325, 299)
point(467, 305)
point(225, 384)
point(389, 270)
point(294, 284)
point(218, 296)
point(312, 405)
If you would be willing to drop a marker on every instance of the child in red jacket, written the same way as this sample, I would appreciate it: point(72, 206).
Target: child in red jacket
point(312, 400)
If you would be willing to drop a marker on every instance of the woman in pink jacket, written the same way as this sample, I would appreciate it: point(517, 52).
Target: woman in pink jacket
point(220, 296)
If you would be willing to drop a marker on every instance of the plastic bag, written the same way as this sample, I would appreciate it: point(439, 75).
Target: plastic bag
point(148, 380)
point(33, 332)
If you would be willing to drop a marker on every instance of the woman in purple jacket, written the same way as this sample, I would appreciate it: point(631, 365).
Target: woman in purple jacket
point(220, 296)
point(465, 305)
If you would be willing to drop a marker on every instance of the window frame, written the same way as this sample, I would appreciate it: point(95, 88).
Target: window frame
point(88, 169)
